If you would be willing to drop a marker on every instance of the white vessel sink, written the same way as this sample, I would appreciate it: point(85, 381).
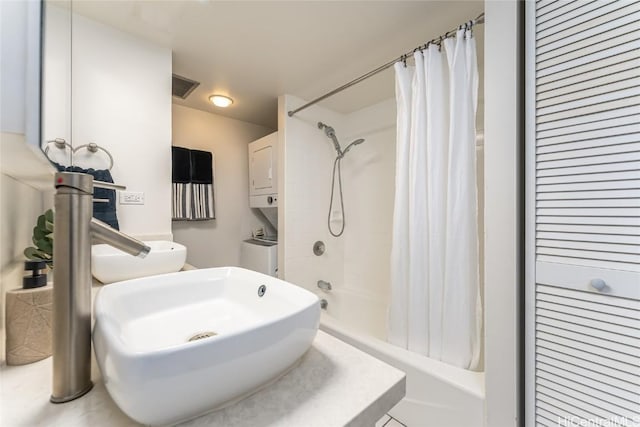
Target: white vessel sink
point(157, 376)
point(109, 264)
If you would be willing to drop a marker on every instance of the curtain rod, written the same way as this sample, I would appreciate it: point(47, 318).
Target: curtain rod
point(479, 20)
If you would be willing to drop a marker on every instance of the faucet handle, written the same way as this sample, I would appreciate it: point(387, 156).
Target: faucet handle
point(108, 185)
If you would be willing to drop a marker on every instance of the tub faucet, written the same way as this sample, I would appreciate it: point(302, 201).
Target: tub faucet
point(325, 286)
point(74, 226)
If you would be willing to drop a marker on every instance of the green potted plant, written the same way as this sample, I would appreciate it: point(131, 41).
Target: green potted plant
point(42, 239)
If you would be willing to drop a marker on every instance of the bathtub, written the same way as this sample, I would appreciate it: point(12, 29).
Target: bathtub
point(438, 394)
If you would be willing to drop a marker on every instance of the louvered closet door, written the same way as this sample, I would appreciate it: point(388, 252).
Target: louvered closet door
point(585, 322)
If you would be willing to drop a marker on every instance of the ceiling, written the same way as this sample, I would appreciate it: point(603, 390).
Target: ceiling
point(254, 51)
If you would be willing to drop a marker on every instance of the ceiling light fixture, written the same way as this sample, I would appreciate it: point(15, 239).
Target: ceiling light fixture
point(221, 100)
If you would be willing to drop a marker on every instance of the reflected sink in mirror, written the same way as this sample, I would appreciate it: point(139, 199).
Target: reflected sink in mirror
point(109, 264)
point(176, 346)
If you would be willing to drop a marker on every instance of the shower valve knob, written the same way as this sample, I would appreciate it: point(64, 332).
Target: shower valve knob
point(318, 248)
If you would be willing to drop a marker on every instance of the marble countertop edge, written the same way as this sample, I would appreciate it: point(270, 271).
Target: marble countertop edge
point(334, 385)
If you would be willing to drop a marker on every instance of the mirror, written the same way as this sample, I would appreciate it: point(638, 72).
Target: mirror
point(20, 28)
point(56, 140)
point(21, 31)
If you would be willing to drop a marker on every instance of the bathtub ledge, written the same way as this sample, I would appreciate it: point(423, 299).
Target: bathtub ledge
point(470, 381)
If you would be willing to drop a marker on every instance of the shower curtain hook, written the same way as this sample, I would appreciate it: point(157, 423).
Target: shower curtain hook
point(404, 60)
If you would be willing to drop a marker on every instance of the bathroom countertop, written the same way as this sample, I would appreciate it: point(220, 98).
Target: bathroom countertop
point(334, 384)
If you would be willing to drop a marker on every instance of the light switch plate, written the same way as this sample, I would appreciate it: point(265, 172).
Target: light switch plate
point(131, 198)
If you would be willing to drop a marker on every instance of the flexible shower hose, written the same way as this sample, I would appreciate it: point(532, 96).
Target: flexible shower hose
point(336, 165)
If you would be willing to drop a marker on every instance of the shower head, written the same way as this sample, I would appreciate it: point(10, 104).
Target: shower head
point(331, 133)
point(356, 142)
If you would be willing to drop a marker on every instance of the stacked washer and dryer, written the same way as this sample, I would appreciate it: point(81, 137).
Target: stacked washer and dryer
point(260, 253)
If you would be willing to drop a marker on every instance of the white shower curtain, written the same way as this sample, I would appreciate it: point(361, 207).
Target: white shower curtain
point(435, 305)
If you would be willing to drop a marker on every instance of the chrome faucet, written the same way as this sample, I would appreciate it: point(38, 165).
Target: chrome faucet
point(325, 286)
point(74, 226)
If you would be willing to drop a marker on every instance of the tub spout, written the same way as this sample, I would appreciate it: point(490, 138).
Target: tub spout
point(325, 286)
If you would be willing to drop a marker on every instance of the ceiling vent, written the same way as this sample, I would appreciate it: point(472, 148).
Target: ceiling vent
point(182, 86)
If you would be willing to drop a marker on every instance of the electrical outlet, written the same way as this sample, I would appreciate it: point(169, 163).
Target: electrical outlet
point(131, 198)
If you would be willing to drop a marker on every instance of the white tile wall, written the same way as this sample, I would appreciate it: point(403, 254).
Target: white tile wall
point(358, 261)
point(369, 188)
point(308, 158)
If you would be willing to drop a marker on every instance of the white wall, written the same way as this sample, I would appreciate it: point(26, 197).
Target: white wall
point(503, 214)
point(305, 164)
point(121, 100)
point(217, 242)
point(369, 188)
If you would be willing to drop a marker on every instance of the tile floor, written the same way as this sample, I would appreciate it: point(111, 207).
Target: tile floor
point(389, 421)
